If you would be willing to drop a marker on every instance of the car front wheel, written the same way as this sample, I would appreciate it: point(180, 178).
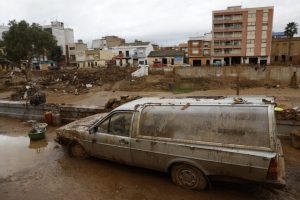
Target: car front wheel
point(77, 151)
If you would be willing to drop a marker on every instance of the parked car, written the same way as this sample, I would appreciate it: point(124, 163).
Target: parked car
point(195, 139)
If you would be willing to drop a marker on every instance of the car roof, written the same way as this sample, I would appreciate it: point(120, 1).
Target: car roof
point(198, 100)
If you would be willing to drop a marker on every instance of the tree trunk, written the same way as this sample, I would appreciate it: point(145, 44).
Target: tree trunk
point(28, 71)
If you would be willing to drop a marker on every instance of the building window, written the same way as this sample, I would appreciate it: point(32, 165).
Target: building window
point(218, 17)
point(217, 43)
point(195, 51)
point(251, 32)
point(120, 53)
point(218, 51)
point(263, 40)
point(264, 28)
point(72, 48)
point(127, 53)
point(251, 23)
point(250, 50)
point(195, 43)
point(276, 58)
point(218, 26)
point(265, 14)
point(291, 58)
point(251, 15)
point(250, 41)
point(205, 52)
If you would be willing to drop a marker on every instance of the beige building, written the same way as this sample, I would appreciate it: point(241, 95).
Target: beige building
point(242, 35)
point(76, 53)
point(280, 48)
point(107, 42)
point(96, 58)
point(164, 58)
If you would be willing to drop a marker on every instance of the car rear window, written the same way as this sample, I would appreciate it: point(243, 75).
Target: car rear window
point(241, 125)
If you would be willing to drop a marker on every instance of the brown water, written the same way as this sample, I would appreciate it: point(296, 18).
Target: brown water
point(20, 154)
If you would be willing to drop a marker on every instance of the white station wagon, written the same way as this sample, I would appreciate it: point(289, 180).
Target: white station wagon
point(196, 139)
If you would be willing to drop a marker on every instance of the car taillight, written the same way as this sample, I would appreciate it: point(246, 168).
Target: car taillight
point(273, 169)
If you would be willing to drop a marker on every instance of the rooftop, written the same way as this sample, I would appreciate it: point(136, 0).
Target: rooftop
point(239, 8)
point(166, 53)
point(204, 100)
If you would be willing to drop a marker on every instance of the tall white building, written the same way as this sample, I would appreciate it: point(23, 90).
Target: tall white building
point(63, 35)
point(3, 29)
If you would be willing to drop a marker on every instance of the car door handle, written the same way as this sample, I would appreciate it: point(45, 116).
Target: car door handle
point(123, 141)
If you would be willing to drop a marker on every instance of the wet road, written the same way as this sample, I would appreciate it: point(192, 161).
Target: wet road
point(42, 170)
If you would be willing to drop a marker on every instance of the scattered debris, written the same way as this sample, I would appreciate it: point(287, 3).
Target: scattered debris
point(114, 103)
point(289, 114)
point(37, 99)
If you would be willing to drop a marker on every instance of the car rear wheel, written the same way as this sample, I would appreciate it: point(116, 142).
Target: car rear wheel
point(77, 151)
point(188, 177)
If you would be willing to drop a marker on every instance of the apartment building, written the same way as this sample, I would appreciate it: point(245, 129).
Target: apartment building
point(63, 35)
point(76, 53)
point(199, 50)
point(242, 35)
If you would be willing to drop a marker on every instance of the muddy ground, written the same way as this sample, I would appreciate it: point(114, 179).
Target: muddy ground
point(43, 170)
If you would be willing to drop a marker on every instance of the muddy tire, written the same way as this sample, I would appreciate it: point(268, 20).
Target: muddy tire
point(77, 151)
point(188, 177)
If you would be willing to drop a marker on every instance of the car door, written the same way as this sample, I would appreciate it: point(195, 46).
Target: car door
point(112, 138)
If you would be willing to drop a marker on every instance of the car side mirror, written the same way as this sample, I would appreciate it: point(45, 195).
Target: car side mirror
point(93, 130)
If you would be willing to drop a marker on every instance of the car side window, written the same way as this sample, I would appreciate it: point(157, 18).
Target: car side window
point(120, 124)
point(103, 128)
point(117, 124)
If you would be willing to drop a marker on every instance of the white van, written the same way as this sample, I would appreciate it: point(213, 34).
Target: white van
point(195, 139)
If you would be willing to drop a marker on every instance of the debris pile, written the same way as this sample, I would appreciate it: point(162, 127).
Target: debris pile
point(289, 114)
point(114, 102)
point(74, 81)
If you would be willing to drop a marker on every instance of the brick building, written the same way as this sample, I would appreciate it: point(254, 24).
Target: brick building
point(242, 35)
point(199, 51)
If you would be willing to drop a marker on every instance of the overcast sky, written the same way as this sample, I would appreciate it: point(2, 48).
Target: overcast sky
point(160, 21)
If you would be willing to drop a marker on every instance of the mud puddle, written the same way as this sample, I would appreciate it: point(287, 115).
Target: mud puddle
point(19, 153)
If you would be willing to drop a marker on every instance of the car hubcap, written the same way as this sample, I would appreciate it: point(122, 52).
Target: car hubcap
point(187, 178)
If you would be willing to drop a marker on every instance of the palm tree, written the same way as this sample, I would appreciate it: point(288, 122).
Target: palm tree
point(290, 30)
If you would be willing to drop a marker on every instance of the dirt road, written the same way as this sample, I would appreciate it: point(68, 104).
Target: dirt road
point(42, 170)
point(287, 96)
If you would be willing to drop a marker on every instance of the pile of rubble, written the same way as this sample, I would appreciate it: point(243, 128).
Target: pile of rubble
point(289, 114)
point(114, 102)
point(84, 77)
point(29, 93)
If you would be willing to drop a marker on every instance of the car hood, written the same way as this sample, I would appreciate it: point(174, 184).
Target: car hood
point(80, 126)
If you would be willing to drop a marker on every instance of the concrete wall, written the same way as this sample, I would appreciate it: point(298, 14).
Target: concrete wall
point(279, 74)
point(21, 110)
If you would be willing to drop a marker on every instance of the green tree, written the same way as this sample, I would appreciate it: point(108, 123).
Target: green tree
point(290, 30)
point(23, 42)
point(56, 54)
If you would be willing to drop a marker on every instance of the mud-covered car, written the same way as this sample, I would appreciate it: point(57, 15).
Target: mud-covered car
point(195, 139)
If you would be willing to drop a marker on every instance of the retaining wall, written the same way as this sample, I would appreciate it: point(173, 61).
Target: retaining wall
point(278, 74)
point(23, 110)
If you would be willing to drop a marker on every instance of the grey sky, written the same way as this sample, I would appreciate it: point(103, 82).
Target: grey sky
point(161, 21)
